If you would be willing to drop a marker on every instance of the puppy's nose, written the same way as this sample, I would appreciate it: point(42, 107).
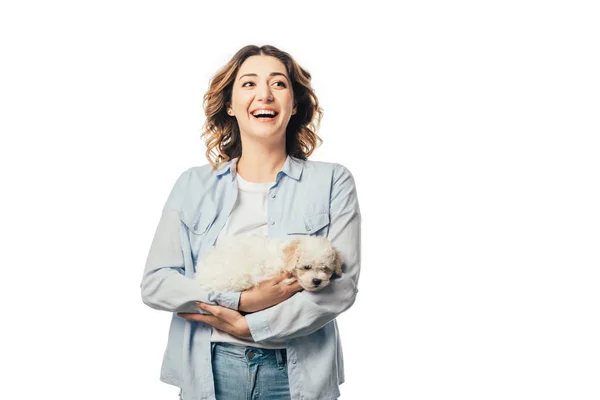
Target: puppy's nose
point(317, 281)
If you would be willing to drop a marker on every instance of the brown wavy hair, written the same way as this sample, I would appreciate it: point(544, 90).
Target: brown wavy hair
point(221, 132)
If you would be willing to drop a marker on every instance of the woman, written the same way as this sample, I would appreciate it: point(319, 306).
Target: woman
point(273, 341)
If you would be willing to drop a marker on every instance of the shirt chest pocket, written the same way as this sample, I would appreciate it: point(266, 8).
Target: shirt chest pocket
point(202, 226)
point(201, 218)
point(200, 234)
point(309, 224)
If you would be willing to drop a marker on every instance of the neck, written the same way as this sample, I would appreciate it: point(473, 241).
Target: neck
point(259, 164)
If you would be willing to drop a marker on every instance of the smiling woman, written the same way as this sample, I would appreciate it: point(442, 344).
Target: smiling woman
point(274, 340)
point(262, 97)
point(258, 79)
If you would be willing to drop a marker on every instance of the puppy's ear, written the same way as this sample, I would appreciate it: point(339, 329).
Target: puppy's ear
point(337, 264)
point(290, 254)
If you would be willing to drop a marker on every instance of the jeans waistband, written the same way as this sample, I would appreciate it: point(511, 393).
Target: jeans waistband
point(249, 353)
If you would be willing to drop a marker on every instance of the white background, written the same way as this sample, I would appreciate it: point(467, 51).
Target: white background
point(471, 129)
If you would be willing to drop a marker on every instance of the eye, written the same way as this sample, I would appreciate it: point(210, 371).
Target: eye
point(245, 83)
point(282, 83)
point(307, 267)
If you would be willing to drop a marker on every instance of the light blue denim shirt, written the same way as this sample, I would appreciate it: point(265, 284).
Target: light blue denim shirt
point(308, 197)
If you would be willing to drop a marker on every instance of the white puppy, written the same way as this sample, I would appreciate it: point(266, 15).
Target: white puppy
point(240, 262)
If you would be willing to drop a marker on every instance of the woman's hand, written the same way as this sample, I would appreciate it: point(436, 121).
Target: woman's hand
point(222, 318)
point(268, 293)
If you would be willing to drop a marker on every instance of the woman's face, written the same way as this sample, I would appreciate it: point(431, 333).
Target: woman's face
point(262, 83)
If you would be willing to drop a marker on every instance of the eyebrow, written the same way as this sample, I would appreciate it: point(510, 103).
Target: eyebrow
point(271, 74)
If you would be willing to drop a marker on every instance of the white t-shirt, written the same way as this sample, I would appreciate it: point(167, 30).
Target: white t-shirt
point(248, 217)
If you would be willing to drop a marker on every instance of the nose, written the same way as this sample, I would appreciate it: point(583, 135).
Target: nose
point(317, 281)
point(264, 93)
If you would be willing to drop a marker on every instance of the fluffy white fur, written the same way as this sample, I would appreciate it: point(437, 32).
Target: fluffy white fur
point(240, 262)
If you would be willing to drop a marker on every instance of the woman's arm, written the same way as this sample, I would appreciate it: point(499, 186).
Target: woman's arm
point(164, 285)
point(306, 312)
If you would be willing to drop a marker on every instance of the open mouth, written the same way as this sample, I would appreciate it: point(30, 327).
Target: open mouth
point(265, 115)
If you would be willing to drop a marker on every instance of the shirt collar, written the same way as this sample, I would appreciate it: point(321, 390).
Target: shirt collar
point(292, 167)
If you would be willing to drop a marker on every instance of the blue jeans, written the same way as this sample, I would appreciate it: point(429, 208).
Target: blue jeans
point(249, 373)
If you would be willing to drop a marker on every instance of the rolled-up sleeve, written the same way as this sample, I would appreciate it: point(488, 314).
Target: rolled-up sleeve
point(164, 285)
point(306, 312)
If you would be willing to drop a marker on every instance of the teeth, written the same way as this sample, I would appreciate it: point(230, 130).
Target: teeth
point(263, 112)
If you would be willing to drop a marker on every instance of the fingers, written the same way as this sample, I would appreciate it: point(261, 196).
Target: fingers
point(208, 318)
point(294, 287)
point(279, 278)
point(225, 322)
point(214, 310)
point(224, 313)
point(282, 275)
point(191, 316)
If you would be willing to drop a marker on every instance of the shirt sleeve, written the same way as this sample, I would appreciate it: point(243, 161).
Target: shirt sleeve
point(305, 312)
point(164, 285)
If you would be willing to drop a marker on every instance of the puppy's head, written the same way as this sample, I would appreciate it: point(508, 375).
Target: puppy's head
point(313, 261)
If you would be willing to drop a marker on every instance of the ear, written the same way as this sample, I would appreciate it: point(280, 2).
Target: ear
point(337, 264)
point(290, 254)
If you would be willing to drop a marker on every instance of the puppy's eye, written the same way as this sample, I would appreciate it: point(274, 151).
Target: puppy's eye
point(307, 267)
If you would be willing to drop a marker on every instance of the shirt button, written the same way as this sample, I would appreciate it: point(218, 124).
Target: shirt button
point(272, 195)
point(294, 361)
point(272, 222)
point(250, 356)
